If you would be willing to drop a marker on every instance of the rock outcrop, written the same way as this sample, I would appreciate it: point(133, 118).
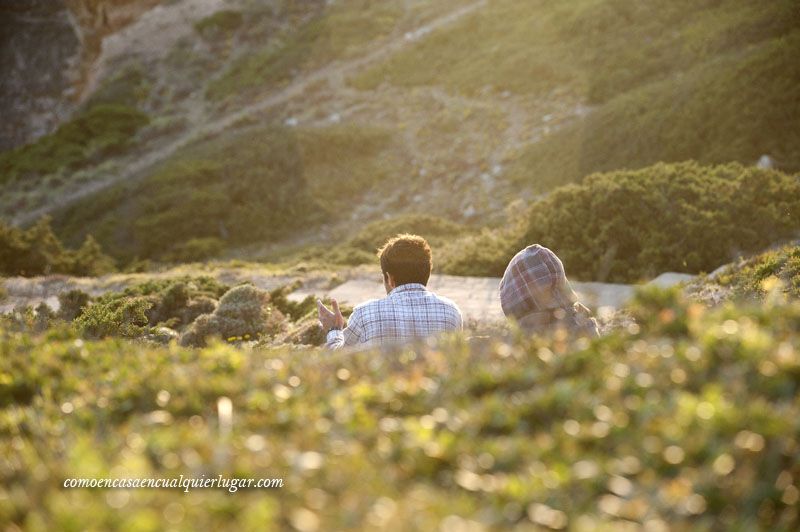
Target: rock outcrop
point(47, 52)
point(40, 53)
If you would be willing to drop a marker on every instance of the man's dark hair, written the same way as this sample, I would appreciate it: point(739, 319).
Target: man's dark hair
point(407, 258)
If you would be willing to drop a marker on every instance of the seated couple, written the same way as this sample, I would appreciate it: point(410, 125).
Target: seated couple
point(534, 292)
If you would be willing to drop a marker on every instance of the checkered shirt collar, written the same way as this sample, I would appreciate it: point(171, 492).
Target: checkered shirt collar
point(408, 287)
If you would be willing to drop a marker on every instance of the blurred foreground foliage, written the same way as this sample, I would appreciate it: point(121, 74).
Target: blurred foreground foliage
point(687, 419)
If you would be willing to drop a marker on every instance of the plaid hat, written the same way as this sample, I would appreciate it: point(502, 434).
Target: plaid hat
point(535, 282)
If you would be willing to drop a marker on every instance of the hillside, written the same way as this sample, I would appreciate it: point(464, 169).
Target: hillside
point(470, 105)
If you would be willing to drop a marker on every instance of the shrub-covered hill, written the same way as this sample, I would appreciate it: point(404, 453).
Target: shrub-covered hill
point(711, 80)
point(688, 420)
point(467, 105)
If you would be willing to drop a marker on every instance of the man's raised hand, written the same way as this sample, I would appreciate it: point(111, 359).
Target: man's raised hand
point(330, 318)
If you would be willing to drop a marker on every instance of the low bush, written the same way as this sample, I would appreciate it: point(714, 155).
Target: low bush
point(138, 310)
point(484, 254)
point(362, 247)
point(294, 310)
point(124, 317)
point(243, 313)
point(37, 251)
point(434, 229)
point(72, 304)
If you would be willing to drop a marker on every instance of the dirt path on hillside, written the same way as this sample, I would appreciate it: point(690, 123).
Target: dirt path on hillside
point(336, 70)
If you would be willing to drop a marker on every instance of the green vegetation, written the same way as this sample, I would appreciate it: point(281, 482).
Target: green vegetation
point(101, 131)
point(483, 254)
point(342, 162)
point(627, 226)
point(37, 251)
point(255, 186)
point(632, 225)
point(736, 109)
point(241, 189)
point(192, 309)
point(755, 276)
point(337, 31)
point(127, 87)
point(136, 311)
point(221, 23)
point(361, 247)
point(243, 313)
point(707, 80)
point(687, 420)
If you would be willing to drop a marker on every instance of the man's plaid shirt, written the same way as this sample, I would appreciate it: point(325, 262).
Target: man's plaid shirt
point(409, 311)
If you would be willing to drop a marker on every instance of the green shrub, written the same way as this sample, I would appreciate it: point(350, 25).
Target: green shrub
point(125, 317)
point(37, 251)
point(361, 248)
point(434, 229)
point(101, 131)
point(88, 260)
point(631, 225)
point(243, 313)
point(294, 310)
point(484, 254)
point(72, 304)
point(30, 252)
point(140, 309)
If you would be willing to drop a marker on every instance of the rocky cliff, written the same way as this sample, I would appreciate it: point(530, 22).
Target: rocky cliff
point(47, 52)
point(40, 53)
